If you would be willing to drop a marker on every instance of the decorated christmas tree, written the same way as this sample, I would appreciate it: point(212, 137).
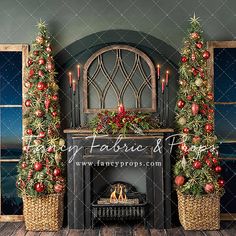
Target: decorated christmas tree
point(40, 170)
point(197, 168)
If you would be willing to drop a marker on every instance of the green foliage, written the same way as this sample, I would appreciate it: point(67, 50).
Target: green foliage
point(42, 141)
point(198, 143)
point(113, 122)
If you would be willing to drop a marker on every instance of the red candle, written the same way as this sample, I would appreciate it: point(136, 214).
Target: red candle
point(78, 71)
point(158, 71)
point(162, 85)
point(70, 79)
point(121, 108)
point(74, 86)
point(167, 77)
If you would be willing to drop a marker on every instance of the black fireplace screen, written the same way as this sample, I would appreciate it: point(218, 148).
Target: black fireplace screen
point(123, 73)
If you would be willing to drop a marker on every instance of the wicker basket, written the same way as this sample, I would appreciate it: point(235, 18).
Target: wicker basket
point(199, 213)
point(43, 213)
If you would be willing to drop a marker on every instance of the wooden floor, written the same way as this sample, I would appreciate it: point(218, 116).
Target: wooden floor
point(18, 229)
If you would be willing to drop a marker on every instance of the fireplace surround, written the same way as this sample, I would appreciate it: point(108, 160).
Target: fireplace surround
point(82, 160)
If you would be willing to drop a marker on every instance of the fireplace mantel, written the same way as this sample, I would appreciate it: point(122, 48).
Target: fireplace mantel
point(158, 178)
point(89, 131)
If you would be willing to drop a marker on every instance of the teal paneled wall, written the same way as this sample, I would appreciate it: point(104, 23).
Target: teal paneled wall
point(70, 20)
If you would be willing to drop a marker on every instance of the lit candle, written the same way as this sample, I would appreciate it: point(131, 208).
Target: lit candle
point(121, 109)
point(162, 85)
point(70, 79)
point(74, 86)
point(167, 77)
point(78, 71)
point(158, 71)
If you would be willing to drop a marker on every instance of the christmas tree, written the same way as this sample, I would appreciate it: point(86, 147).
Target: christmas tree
point(197, 168)
point(40, 170)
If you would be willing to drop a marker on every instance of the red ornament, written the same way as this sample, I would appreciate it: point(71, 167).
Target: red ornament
point(209, 154)
point(195, 35)
point(42, 134)
point(214, 160)
point(29, 131)
point(196, 139)
point(47, 103)
point(30, 174)
point(48, 49)
point(57, 172)
point(38, 166)
point(221, 183)
point(184, 59)
point(41, 61)
point(29, 62)
point(208, 128)
point(41, 86)
point(193, 57)
point(195, 108)
point(197, 164)
point(184, 148)
point(206, 55)
point(28, 84)
point(28, 103)
point(58, 188)
point(202, 75)
point(189, 97)
point(50, 131)
point(49, 66)
point(199, 45)
point(39, 187)
point(180, 104)
point(218, 169)
point(54, 113)
point(209, 188)
point(186, 130)
point(195, 73)
point(31, 73)
point(208, 162)
point(23, 165)
point(39, 113)
point(36, 53)
point(50, 149)
point(210, 96)
point(211, 110)
point(55, 97)
point(203, 112)
point(40, 73)
point(210, 117)
point(179, 180)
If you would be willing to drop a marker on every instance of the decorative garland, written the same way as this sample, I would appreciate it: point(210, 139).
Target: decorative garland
point(122, 122)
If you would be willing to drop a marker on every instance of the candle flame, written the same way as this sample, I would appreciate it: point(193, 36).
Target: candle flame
point(73, 81)
point(163, 80)
point(158, 65)
point(167, 72)
point(70, 73)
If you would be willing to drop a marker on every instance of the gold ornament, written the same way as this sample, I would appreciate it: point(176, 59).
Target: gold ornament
point(57, 157)
point(61, 142)
point(182, 121)
point(198, 82)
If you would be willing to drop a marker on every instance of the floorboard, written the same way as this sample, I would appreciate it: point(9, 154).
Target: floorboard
point(18, 229)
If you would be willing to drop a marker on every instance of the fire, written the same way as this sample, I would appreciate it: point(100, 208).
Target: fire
point(121, 195)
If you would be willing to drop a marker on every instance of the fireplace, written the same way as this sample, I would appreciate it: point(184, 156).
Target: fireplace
point(87, 208)
point(119, 202)
point(113, 75)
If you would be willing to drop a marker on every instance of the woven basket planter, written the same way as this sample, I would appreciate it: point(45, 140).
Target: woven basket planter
point(43, 213)
point(199, 213)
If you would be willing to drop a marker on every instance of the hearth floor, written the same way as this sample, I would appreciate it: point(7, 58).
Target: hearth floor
point(18, 229)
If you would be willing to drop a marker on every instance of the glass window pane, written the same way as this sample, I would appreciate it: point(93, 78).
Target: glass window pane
point(228, 201)
point(225, 121)
point(11, 204)
point(11, 132)
point(225, 74)
point(11, 78)
point(227, 150)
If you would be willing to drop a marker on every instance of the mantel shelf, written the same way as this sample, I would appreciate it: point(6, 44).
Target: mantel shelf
point(89, 131)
